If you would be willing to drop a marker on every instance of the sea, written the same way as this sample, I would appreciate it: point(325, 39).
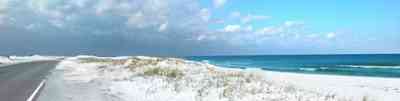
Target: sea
point(373, 65)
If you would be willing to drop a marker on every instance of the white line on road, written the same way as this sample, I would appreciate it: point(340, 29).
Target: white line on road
point(36, 91)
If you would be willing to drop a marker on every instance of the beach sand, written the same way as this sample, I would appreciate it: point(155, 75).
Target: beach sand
point(353, 87)
point(129, 79)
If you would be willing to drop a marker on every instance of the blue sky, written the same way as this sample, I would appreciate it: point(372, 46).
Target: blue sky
point(323, 13)
point(366, 16)
point(198, 27)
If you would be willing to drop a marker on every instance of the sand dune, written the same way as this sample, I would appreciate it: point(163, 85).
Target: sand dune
point(169, 79)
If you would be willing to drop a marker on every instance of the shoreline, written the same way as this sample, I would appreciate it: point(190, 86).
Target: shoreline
point(322, 74)
point(354, 87)
point(294, 72)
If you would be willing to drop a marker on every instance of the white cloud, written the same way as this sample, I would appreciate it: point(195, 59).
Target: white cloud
point(331, 35)
point(296, 36)
point(57, 23)
point(249, 28)
point(237, 29)
point(275, 30)
point(205, 14)
point(286, 30)
point(232, 28)
point(219, 3)
point(163, 27)
point(244, 19)
point(201, 37)
point(138, 14)
point(249, 18)
point(177, 19)
point(45, 7)
point(218, 21)
point(112, 16)
point(2, 17)
point(30, 26)
point(103, 6)
point(3, 4)
point(137, 20)
point(293, 23)
point(235, 14)
point(3, 8)
point(79, 3)
point(312, 36)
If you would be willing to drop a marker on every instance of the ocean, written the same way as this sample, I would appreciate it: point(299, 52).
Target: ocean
point(375, 65)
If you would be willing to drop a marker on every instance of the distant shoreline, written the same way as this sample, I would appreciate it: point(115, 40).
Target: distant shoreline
point(292, 54)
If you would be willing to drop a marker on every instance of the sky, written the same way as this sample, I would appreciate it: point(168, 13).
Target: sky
point(198, 27)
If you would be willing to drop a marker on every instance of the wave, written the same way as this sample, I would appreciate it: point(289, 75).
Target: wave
point(308, 69)
point(205, 61)
point(372, 66)
point(313, 69)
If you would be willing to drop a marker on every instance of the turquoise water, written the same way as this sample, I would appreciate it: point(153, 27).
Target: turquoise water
point(377, 65)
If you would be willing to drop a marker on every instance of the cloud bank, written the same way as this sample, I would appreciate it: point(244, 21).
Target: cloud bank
point(219, 3)
point(144, 27)
point(158, 27)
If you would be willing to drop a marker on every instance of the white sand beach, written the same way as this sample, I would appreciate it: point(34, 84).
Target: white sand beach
point(352, 87)
point(141, 78)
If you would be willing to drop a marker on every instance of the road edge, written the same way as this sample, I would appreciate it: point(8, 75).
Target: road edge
point(36, 92)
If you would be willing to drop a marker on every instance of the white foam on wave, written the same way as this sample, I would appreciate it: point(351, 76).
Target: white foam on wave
point(323, 68)
point(308, 69)
point(19, 59)
point(205, 61)
point(35, 57)
point(5, 60)
point(370, 66)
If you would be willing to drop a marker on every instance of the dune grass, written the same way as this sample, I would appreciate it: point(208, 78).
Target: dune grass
point(367, 98)
point(167, 72)
point(96, 60)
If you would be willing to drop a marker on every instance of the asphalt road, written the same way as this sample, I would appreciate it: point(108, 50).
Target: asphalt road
point(19, 81)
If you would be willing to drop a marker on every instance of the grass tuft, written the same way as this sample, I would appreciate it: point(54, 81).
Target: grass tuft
point(167, 72)
point(95, 60)
point(367, 98)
